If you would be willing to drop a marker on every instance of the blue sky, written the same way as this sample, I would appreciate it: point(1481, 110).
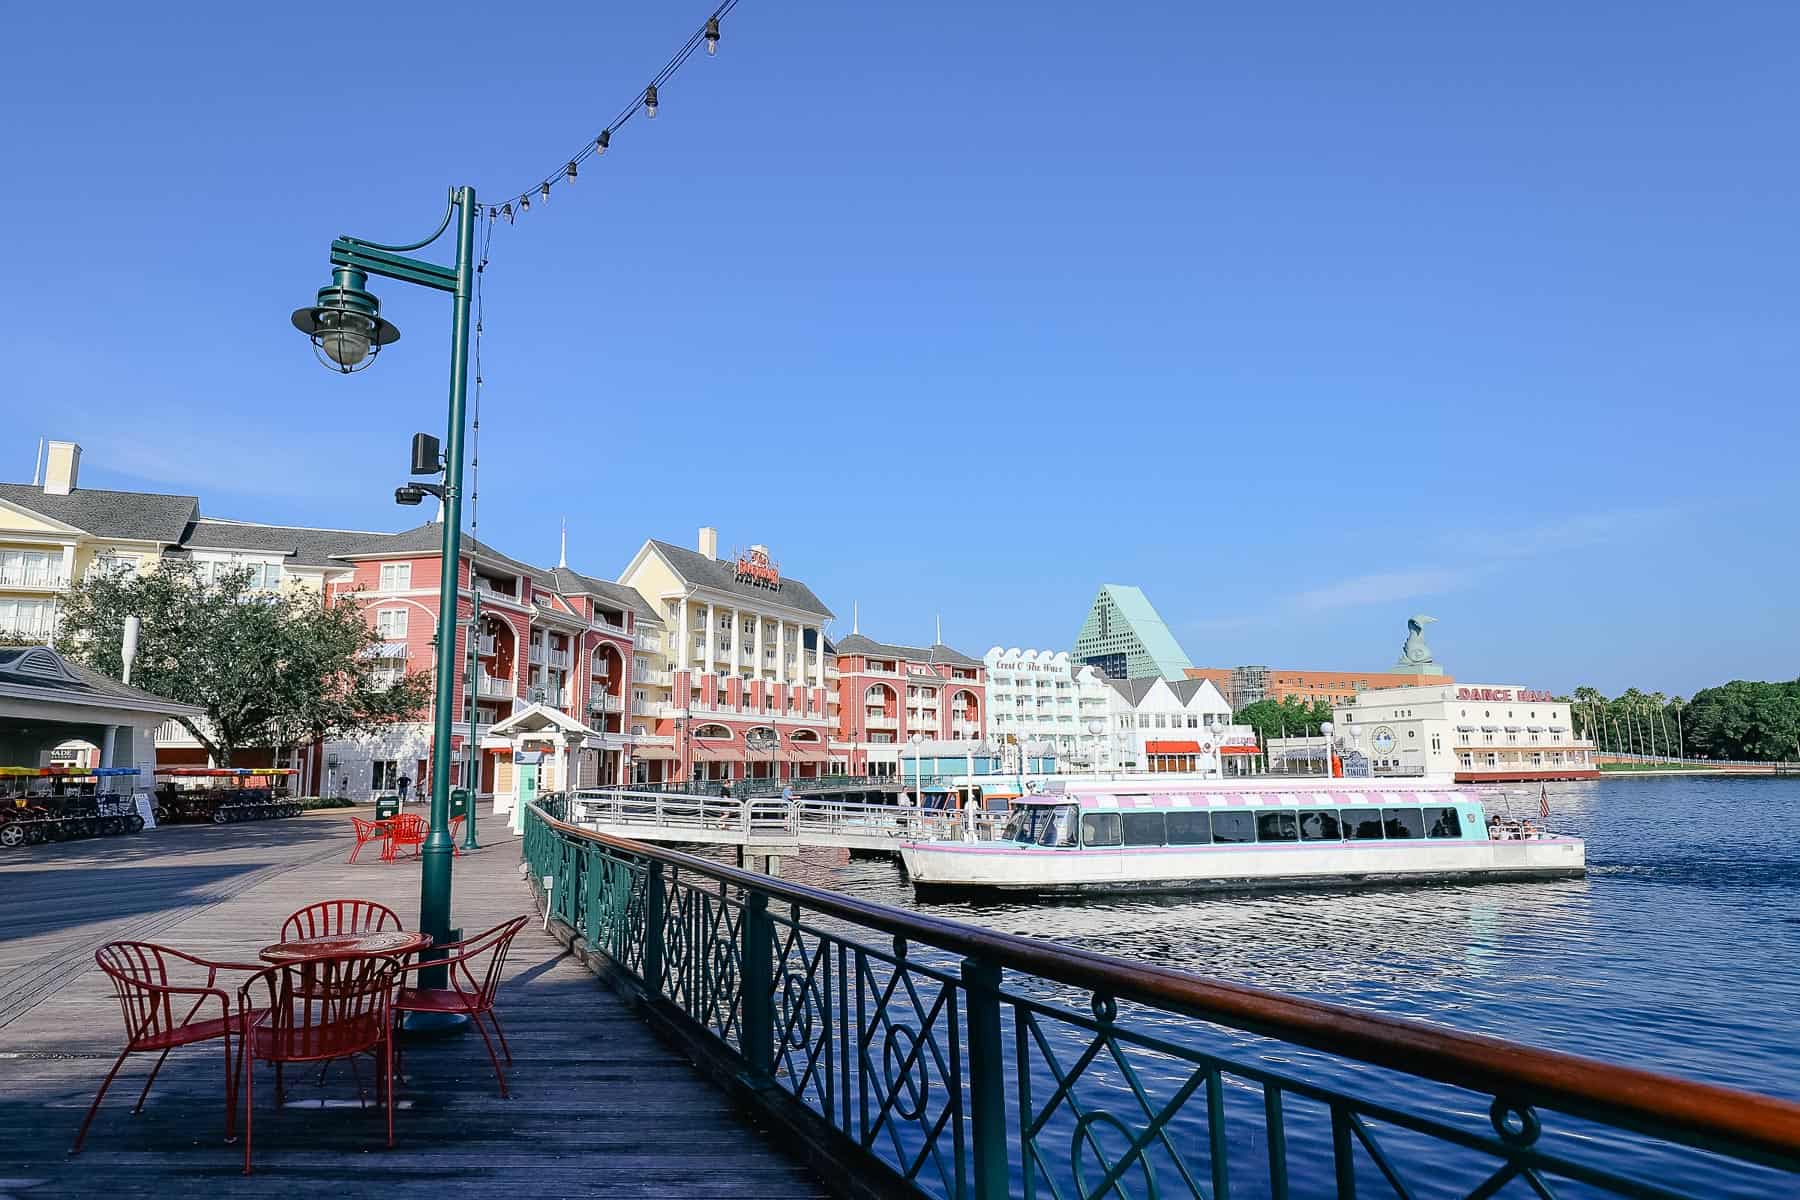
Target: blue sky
point(1302, 318)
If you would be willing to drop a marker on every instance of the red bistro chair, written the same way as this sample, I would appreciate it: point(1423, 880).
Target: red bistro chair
point(474, 968)
point(314, 1011)
point(366, 832)
point(154, 989)
point(327, 918)
point(405, 830)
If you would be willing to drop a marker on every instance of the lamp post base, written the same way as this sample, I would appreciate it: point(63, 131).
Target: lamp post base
point(427, 1025)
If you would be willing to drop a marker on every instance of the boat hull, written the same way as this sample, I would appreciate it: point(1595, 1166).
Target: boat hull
point(953, 868)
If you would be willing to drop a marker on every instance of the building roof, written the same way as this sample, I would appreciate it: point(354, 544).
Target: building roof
point(126, 516)
point(856, 643)
point(574, 583)
point(43, 669)
point(1134, 690)
point(303, 547)
point(721, 575)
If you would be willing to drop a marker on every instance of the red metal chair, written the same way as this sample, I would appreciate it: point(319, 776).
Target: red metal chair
point(315, 1011)
point(406, 830)
point(150, 982)
point(474, 966)
point(328, 918)
point(366, 832)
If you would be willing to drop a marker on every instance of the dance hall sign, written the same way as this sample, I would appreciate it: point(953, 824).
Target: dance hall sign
point(1505, 695)
point(755, 566)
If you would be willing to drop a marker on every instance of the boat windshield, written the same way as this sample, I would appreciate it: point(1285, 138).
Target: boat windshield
point(1042, 825)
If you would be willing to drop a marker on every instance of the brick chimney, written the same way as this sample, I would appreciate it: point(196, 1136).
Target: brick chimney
point(61, 468)
point(709, 539)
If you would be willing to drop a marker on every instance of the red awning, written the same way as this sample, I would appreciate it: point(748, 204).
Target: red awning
point(1240, 749)
point(647, 752)
point(1171, 747)
point(809, 754)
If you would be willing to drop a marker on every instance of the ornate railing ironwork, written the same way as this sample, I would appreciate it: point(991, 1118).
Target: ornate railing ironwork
point(956, 1061)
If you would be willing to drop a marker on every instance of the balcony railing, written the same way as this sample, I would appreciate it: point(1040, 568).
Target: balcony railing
point(558, 659)
point(494, 687)
point(26, 577)
point(952, 1060)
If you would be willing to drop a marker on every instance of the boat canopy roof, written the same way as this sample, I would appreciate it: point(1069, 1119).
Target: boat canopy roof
point(1213, 797)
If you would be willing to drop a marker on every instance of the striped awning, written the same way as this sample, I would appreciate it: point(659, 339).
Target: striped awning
point(718, 752)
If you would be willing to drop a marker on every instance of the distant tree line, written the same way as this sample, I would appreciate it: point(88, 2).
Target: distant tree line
point(1743, 719)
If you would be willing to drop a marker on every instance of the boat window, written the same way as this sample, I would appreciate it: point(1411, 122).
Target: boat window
point(1100, 829)
point(1362, 824)
point(1402, 823)
point(1233, 827)
point(1442, 823)
point(1319, 827)
point(1059, 829)
point(1029, 823)
point(1143, 828)
point(1188, 828)
point(1276, 827)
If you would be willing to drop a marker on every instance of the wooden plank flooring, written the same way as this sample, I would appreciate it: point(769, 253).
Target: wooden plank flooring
point(599, 1104)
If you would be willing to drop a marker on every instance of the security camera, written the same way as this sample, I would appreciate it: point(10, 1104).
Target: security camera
point(410, 494)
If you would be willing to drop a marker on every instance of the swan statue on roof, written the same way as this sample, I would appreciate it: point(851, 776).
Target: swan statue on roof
point(1415, 655)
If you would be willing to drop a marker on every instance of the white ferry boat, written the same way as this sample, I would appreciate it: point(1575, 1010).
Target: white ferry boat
point(1243, 836)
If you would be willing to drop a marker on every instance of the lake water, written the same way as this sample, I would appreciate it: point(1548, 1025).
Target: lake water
point(1680, 951)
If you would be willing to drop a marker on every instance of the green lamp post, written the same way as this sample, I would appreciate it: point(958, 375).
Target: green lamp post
point(347, 333)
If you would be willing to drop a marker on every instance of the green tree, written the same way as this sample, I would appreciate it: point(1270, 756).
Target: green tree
point(1290, 716)
point(266, 670)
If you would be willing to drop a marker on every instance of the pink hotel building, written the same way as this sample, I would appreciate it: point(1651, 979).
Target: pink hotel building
point(694, 666)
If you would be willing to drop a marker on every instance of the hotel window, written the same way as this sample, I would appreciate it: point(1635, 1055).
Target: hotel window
point(390, 624)
point(396, 577)
point(29, 568)
point(1162, 721)
point(27, 618)
point(113, 565)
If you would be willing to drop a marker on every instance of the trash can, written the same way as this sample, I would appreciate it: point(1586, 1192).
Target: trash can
point(459, 802)
point(387, 806)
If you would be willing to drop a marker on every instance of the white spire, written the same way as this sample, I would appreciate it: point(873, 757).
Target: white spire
point(855, 617)
point(562, 559)
point(940, 630)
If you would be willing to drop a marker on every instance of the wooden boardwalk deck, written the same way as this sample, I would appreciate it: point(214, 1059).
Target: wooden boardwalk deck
point(599, 1104)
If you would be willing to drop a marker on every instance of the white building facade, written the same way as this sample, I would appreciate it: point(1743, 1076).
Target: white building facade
point(1477, 733)
point(1183, 725)
point(1043, 696)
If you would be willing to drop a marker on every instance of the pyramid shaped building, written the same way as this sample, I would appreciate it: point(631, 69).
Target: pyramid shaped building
point(1126, 638)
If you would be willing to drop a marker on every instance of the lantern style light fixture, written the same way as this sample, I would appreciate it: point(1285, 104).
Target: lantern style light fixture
point(712, 35)
point(345, 322)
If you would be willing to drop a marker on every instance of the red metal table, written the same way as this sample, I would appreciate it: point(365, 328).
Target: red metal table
point(390, 942)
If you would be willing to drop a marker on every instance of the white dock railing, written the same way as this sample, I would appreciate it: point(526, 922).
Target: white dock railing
point(667, 816)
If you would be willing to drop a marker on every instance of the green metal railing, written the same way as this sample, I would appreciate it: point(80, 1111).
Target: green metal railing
point(953, 1061)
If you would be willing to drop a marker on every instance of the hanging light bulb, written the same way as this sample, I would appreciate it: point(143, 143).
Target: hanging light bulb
point(506, 211)
point(712, 35)
point(603, 141)
point(544, 192)
point(569, 172)
point(650, 102)
point(493, 213)
point(524, 204)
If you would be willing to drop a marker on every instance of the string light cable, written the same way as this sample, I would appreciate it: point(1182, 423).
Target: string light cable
point(646, 101)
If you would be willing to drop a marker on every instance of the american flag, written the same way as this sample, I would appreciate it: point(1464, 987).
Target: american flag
point(1544, 800)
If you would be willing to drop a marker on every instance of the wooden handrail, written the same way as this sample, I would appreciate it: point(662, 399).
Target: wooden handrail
point(1755, 1126)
